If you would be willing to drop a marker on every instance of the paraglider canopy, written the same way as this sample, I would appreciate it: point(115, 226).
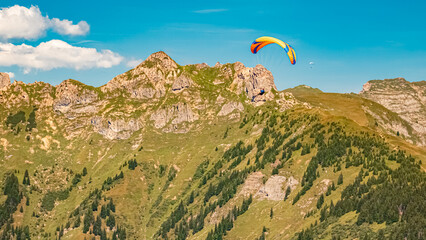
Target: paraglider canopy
point(263, 41)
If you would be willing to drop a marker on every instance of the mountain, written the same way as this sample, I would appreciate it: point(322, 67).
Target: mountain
point(406, 99)
point(166, 151)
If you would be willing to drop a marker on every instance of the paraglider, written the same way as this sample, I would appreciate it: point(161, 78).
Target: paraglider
point(263, 41)
point(262, 91)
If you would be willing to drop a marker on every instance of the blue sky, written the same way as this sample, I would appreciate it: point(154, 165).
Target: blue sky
point(348, 42)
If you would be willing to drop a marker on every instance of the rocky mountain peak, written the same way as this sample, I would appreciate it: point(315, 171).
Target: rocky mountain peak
point(71, 93)
point(252, 80)
point(147, 80)
point(4, 81)
point(160, 60)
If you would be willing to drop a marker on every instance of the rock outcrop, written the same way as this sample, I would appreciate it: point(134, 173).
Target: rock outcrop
point(230, 107)
point(174, 115)
point(182, 82)
point(250, 81)
point(407, 99)
point(74, 98)
point(115, 128)
point(158, 91)
point(146, 81)
point(4, 81)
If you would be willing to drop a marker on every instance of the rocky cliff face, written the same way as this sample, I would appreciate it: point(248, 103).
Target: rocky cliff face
point(148, 80)
point(158, 94)
point(4, 81)
point(74, 98)
point(407, 99)
point(250, 81)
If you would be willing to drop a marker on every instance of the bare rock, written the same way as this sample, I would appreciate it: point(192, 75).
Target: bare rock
point(286, 101)
point(201, 66)
point(273, 189)
point(230, 107)
point(147, 80)
point(407, 99)
point(182, 82)
point(15, 95)
point(251, 80)
point(75, 97)
point(176, 114)
point(115, 128)
point(4, 81)
point(220, 99)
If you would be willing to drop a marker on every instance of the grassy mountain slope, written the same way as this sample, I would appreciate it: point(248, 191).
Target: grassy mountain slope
point(324, 166)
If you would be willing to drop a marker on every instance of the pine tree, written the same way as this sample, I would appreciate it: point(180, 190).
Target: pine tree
point(26, 180)
point(271, 214)
point(111, 205)
point(103, 212)
point(84, 173)
point(114, 236)
point(320, 201)
point(104, 235)
point(77, 222)
point(323, 214)
point(88, 219)
point(111, 222)
point(191, 198)
point(97, 226)
point(340, 180)
point(287, 193)
point(275, 171)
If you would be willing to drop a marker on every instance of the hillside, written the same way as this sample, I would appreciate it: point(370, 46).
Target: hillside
point(402, 97)
point(166, 151)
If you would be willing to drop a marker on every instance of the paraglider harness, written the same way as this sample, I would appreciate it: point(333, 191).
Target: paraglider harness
point(262, 91)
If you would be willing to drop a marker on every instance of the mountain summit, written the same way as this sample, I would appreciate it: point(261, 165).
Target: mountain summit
point(158, 92)
point(407, 99)
point(165, 151)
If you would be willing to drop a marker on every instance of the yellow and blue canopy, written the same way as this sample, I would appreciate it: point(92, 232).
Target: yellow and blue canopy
point(263, 41)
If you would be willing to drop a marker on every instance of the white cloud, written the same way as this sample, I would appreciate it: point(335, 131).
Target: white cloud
point(56, 54)
point(211, 10)
point(65, 27)
point(133, 63)
point(28, 23)
point(11, 74)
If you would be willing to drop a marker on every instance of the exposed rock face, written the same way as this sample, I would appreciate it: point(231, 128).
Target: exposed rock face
point(38, 94)
point(176, 114)
point(157, 90)
point(273, 189)
point(201, 66)
point(406, 99)
point(250, 81)
point(230, 107)
point(115, 129)
point(4, 81)
point(73, 98)
point(46, 92)
point(181, 82)
point(14, 95)
point(287, 100)
point(148, 79)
